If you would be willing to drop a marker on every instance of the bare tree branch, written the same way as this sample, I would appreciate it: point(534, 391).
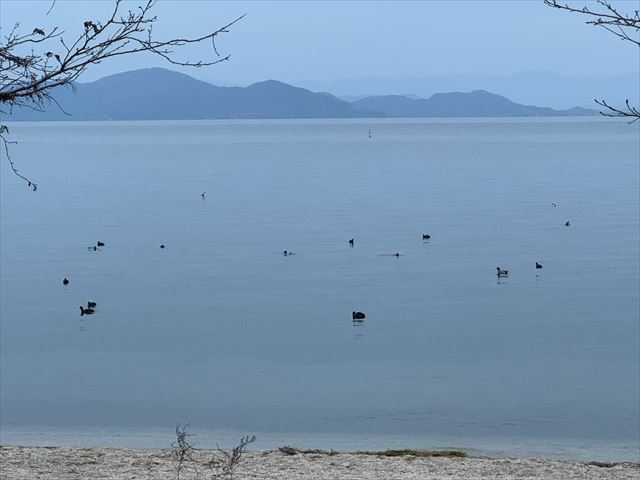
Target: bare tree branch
point(34, 64)
point(630, 111)
point(624, 26)
point(619, 24)
point(4, 129)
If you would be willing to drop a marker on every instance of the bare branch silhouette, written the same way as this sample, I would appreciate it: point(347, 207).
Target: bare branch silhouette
point(182, 447)
point(5, 143)
point(621, 25)
point(630, 111)
point(223, 464)
point(232, 459)
point(34, 64)
point(624, 26)
point(53, 4)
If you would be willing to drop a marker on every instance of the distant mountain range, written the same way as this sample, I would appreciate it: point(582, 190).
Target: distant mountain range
point(477, 103)
point(549, 89)
point(160, 94)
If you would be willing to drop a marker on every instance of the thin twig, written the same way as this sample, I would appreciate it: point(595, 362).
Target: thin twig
point(611, 111)
point(51, 7)
point(3, 130)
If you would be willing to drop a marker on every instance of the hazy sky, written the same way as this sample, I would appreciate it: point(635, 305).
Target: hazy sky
point(297, 41)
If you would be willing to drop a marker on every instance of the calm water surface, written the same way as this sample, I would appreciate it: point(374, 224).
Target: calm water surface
point(221, 330)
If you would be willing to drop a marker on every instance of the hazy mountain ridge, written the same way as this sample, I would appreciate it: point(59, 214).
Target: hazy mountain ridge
point(160, 94)
point(478, 103)
point(555, 90)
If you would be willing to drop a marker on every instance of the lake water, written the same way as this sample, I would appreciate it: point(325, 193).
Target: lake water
point(221, 330)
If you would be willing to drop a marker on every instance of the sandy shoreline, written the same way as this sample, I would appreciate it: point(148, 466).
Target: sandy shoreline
point(32, 463)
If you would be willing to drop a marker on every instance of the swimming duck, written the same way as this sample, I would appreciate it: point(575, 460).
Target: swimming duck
point(425, 236)
point(91, 304)
point(100, 244)
point(86, 311)
point(351, 242)
point(203, 194)
point(65, 281)
point(162, 245)
point(538, 265)
point(502, 273)
point(357, 315)
point(568, 223)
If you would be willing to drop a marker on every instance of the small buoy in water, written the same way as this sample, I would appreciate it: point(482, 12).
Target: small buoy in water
point(65, 281)
point(553, 205)
point(162, 245)
point(203, 194)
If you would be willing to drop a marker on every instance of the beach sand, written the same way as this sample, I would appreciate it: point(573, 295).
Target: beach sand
point(32, 463)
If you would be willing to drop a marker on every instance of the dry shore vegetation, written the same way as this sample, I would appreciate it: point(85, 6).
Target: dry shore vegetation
point(52, 463)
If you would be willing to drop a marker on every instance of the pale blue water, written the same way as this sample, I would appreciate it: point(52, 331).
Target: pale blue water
point(221, 330)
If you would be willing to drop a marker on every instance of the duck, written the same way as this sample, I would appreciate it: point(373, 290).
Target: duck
point(538, 265)
point(100, 244)
point(357, 315)
point(351, 242)
point(396, 254)
point(553, 205)
point(502, 273)
point(425, 236)
point(65, 281)
point(567, 223)
point(91, 304)
point(86, 311)
point(162, 245)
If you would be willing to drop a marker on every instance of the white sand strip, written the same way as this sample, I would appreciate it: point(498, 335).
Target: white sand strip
point(33, 463)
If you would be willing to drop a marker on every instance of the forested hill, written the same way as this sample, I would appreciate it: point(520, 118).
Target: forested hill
point(160, 94)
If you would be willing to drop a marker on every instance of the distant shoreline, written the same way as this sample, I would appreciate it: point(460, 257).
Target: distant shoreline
point(161, 438)
point(321, 120)
point(105, 463)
